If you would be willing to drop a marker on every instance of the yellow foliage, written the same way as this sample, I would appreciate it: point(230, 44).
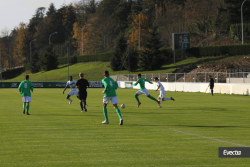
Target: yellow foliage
point(21, 37)
point(144, 30)
point(84, 35)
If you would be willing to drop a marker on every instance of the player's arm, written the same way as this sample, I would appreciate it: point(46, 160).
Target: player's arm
point(148, 81)
point(65, 88)
point(87, 84)
point(105, 87)
point(134, 84)
point(31, 86)
point(157, 88)
point(20, 87)
point(77, 84)
point(115, 84)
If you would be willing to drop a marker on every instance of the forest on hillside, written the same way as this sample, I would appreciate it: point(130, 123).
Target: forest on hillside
point(91, 27)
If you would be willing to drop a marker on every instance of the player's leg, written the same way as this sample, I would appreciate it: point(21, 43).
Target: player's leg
point(145, 91)
point(81, 105)
point(212, 90)
point(160, 99)
point(137, 97)
point(28, 100)
point(105, 111)
point(24, 104)
point(71, 93)
point(84, 101)
point(114, 101)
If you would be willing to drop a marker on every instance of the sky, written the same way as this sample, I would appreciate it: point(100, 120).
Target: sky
point(13, 12)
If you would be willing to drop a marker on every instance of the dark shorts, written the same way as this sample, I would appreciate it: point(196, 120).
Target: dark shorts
point(82, 95)
point(211, 86)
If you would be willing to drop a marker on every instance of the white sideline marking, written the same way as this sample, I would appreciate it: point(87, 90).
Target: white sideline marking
point(211, 138)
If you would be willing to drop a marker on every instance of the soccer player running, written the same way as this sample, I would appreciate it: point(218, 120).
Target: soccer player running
point(162, 92)
point(143, 90)
point(211, 84)
point(25, 88)
point(110, 95)
point(82, 85)
point(73, 91)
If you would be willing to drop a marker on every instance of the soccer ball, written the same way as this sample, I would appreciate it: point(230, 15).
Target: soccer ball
point(122, 105)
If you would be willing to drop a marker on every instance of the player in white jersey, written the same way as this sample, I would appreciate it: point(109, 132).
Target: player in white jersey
point(73, 90)
point(162, 92)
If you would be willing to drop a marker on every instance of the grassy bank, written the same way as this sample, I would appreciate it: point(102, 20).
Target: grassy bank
point(93, 71)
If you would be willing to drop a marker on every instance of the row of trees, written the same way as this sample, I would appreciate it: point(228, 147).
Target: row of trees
point(95, 27)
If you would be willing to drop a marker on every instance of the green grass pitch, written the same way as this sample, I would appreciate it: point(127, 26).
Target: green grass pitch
point(58, 134)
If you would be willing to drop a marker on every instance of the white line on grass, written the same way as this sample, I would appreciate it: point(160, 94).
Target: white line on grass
point(210, 138)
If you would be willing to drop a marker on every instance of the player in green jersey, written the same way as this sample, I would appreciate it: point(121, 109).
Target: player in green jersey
point(110, 95)
point(25, 88)
point(143, 90)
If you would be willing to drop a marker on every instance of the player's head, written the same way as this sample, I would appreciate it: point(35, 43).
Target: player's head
point(138, 75)
point(81, 75)
point(156, 79)
point(106, 73)
point(70, 78)
point(27, 77)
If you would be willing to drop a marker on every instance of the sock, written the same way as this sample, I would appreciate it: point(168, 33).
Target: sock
point(212, 91)
point(84, 103)
point(69, 99)
point(28, 107)
point(166, 99)
point(81, 105)
point(118, 113)
point(137, 98)
point(151, 97)
point(24, 105)
point(105, 112)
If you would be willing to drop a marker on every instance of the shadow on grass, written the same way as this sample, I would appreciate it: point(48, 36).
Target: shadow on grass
point(60, 115)
point(198, 62)
point(192, 126)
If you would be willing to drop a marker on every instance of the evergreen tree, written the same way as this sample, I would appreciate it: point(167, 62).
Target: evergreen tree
point(49, 60)
point(131, 58)
point(151, 56)
point(35, 67)
point(120, 48)
point(51, 10)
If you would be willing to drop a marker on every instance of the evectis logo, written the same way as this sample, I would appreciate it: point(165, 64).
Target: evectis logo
point(234, 152)
point(225, 152)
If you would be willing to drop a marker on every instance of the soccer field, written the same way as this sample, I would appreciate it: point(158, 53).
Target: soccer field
point(185, 132)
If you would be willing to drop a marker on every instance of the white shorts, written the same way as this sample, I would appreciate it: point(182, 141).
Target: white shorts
point(26, 99)
point(162, 94)
point(73, 92)
point(114, 100)
point(144, 91)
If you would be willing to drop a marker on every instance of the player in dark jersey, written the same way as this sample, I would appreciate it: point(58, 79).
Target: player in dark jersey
point(82, 85)
point(211, 84)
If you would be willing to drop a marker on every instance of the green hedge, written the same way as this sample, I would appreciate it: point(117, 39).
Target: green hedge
point(230, 50)
point(104, 57)
point(207, 51)
point(87, 58)
point(12, 73)
point(27, 66)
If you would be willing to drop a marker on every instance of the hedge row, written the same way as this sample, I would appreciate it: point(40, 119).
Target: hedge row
point(86, 58)
point(207, 51)
point(12, 73)
point(229, 50)
point(104, 57)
